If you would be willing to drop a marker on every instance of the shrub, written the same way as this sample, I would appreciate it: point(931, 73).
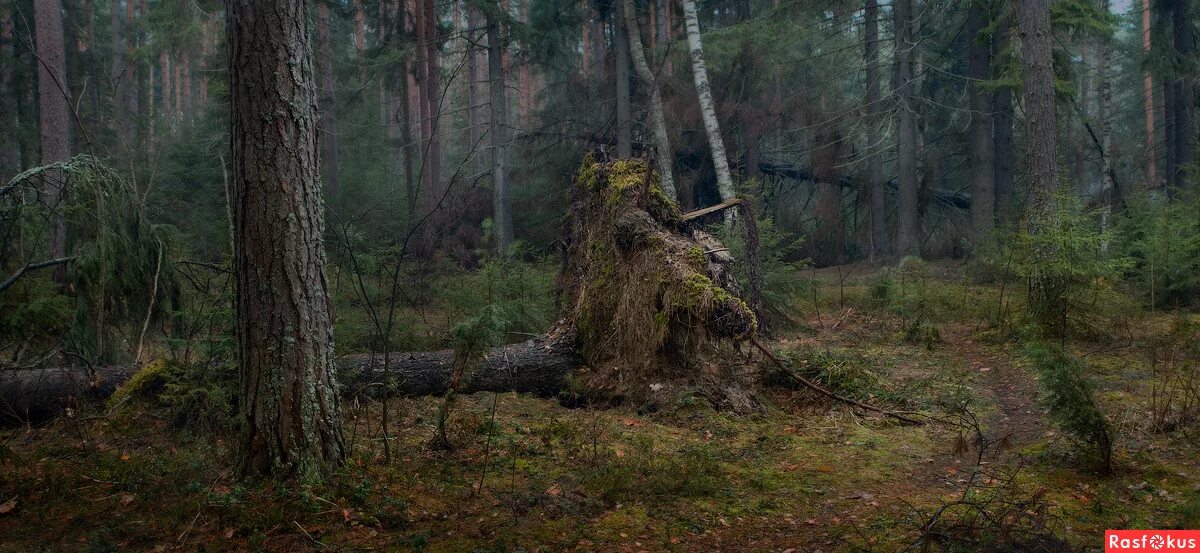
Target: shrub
point(1162, 241)
point(1072, 403)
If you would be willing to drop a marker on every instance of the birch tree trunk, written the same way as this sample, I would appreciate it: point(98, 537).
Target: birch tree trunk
point(290, 414)
point(707, 109)
point(501, 203)
point(54, 124)
point(662, 142)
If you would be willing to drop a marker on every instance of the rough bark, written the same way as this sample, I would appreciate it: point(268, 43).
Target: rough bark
point(1110, 190)
point(433, 96)
point(1044, 292)
point(501, 203)
point(908, 223)
point(708, 109)
point(54, 123)
point(662, 141)
point(290, 406)
point(621, 61)
point(981, 134)
point(328, 103)
point(880, 246)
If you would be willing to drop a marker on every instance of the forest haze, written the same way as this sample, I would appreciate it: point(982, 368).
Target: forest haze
point(598, 275)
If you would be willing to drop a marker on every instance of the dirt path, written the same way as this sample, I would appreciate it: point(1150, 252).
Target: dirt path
point(1012, 387)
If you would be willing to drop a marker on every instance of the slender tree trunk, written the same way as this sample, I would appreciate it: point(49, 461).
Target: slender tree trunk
point(585, 37)
point(290, 415)
point(829, 237)
point(54, 123)
point(130, 78)
point(360, 30)
point(501, 203)
point(433, 96)
point(328, 103)
point(121, 122)
point(880, 246)
point(524, 77)
point(1169, 135)
point(1182, 23)
point(660, 24)
point(1114, 194)
point(164, 72)
point(1148, 102)
point(662, 141)
point(624, 123)
point(473, 77)
point(425, 191)
point(908, 225)
point(983, 194)
point(10, 150)
point(708, 109)
point(1004, 174)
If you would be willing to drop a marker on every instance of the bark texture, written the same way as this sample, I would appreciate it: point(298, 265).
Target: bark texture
point(290, 412)
point(621, 55)
point(662, 141)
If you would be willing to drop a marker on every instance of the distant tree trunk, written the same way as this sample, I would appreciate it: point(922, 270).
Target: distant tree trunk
point(290, 415)
point(1182, 22)
point(1169, 135)
point(1113, 193)
point(501, 203)
point(662, 141)
point(660, 24)
point(525, 77)
point(1148, 103)
point(54, 123)
point(708, 109)
point(473, 75)
point(10, 150)
point(328, 103)
point(121, 122)
point(164, 72)
point(983, 194)
point(829, 237)
point(585, 38)
point(1004, 175)
point(360, 30)
point(908, 227)
point(130, 77)
point(433, 96)
point(877, 211)
point(624, 122)
point(425, 190)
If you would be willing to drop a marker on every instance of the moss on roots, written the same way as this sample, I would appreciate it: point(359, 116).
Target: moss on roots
point(648, 303)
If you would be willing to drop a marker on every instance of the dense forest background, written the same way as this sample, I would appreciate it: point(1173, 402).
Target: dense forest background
point(922, 185)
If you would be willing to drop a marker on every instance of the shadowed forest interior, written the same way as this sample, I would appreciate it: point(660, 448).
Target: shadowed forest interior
point(597, 275)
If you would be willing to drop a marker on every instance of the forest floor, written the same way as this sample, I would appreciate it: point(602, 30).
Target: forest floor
point(529, 474)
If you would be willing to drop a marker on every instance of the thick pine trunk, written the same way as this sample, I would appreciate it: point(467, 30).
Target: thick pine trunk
point(908, 223)
point(54, 123)
point(501, 203)
point(880, 245)
point(290, 412)
point(983, 213)
point(708, 110)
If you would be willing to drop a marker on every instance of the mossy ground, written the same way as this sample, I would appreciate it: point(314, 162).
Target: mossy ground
point(804, 474)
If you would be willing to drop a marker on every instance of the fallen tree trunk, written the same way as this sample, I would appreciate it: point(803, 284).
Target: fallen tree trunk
point(538, 366)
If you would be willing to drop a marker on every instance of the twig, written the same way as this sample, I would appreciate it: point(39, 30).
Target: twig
point(827, 393)
point(710, 209)
point(32, 267)
point(309, 536)
point(137, 358)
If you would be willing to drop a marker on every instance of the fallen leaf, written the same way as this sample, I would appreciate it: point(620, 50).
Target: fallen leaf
point(631, 422)
point(126, 498)
point(8, 506)
point(554, 490)
point(229, 532)
point(346, 515)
